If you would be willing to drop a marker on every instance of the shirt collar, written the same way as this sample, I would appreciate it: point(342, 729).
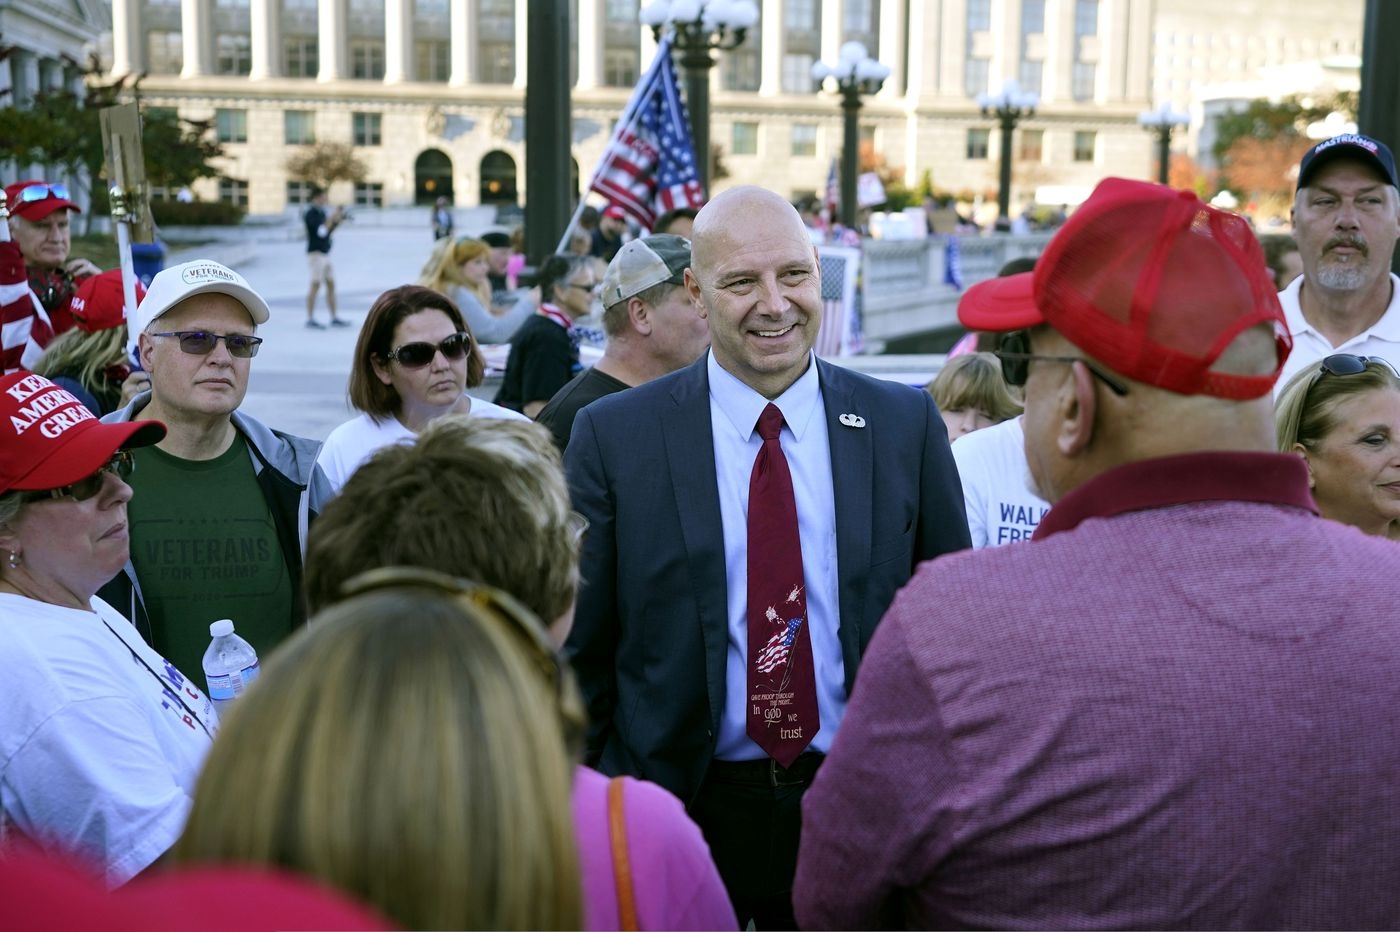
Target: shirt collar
point(1214, 476)
point(556, 315)
point(741, 405)
point(1387, 328)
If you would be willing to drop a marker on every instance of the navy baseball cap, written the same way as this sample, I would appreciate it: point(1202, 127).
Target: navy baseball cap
point(1348, 146)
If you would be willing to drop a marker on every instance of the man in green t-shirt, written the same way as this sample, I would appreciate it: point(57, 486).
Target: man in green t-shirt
point(221, 506)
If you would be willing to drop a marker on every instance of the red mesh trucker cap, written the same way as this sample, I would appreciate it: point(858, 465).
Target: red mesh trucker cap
point(1149, 281)
point(39, 208)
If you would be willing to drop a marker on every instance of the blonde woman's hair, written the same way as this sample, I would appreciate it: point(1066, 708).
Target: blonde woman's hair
point(85, 357)
point(403, 748)
point(443, 270)
point(973, 381)
point(1305, 411)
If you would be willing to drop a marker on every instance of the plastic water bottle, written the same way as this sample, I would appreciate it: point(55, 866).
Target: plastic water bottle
point(230, 665)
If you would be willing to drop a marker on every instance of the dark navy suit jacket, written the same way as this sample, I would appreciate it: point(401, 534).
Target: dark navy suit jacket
point(650, 634)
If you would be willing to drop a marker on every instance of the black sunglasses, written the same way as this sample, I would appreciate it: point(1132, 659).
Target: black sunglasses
point(1347, 364)
point(202, 342)
point(41, 192)
point(121, 464)
point(1015, 355)
point(418, 355)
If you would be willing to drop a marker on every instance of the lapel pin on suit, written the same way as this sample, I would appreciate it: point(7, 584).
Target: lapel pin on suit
point(852, 420)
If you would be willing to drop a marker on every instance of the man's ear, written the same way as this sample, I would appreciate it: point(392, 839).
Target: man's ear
point(640, 315)
point(1077, 408)
point(692, 288)
point(145, 346)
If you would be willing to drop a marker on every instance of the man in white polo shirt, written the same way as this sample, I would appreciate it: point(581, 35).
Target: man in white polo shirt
point(1346, 220)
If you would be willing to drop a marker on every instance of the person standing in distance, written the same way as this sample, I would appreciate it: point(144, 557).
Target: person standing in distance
point(716, 667)
point(319, 226)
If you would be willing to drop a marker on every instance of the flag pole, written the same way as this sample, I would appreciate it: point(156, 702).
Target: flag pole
point(624, 123)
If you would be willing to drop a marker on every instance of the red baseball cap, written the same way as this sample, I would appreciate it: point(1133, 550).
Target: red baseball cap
point(615, 212)
point(100, 304)
point(45, 893)
point(1150, 281)
point(55, 197)
point(49, 439)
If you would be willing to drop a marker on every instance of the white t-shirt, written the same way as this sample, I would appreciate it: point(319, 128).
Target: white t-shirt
point(101, 739)
point(1382, 339)
point(350, 444)
point(1001, 508)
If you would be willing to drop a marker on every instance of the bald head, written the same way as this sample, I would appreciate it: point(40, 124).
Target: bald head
point(730, 216)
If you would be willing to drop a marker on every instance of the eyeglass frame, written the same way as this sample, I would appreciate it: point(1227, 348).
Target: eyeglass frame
point(1016, 375)
point(395, 354)
point(121, 464)
point(252, 342)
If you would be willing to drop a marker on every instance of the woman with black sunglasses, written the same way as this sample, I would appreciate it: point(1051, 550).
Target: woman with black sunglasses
point(101, 739)
point(1342, 416)
point(414, 361)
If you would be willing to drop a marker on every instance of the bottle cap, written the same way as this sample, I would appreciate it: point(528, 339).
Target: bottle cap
point(221, 628)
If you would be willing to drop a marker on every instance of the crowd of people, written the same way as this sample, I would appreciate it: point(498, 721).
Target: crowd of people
point(700, 636)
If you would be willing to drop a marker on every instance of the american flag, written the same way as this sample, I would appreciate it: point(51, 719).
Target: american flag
point(649, 166)
point(24, 327)
point(775, 652)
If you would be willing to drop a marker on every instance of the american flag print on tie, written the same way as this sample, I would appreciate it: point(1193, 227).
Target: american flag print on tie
point(649, 166)
point(776, 652)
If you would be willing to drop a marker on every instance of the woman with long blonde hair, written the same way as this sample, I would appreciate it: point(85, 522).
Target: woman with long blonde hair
point(459, 269)
point(407, 748)
point(90, 360)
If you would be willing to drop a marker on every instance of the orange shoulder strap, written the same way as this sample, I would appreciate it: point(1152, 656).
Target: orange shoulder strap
point(622, 867)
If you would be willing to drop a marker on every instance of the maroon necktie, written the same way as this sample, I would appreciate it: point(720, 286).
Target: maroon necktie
point(782, 706)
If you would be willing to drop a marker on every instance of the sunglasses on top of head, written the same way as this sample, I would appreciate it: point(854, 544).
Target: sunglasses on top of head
point(40, 192)
point(85, 488)
point(1014, 351)
point(202, 342)
point(418, 355)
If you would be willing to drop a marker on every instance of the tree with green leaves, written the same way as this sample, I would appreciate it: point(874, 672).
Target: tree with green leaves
point(1259, 146)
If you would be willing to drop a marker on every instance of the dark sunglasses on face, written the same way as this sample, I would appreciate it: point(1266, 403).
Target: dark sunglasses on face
point(40, 192)
point(202, 342)
point(1015, 355)
point(120, 464)
point(418, 355)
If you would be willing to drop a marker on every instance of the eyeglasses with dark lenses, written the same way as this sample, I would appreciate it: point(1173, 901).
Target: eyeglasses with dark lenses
point(40, 192)
point(202, 342)
point(588, 288)
point(1347, 364)
point(418, 355)
point(1015, 355)
point(121, 464)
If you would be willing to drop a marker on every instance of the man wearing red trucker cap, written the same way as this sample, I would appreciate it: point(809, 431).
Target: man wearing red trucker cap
point(39, 224)
point(1175, 706)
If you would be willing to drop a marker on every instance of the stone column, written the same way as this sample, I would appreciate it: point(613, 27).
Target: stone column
point(522, 43)
point(462, 30)
point(332, 22)
point(590, 43)
point(770, 66)
point(398, 41)
point(265, 28)
point(128, 53)
point(197, 29)
point(891, 51)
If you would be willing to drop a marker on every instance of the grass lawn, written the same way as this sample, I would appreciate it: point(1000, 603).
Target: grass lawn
point(101, 248)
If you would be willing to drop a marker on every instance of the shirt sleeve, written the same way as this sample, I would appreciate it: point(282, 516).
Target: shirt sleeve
point(880, 814)
point(93, 779)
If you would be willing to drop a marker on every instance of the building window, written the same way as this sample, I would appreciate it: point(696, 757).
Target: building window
point(165, 52)
point(1084, 142)
point(233, 191)
point(299, 127)
point(1032, 17)
point(978, 141)
point(1032, 145)
point(369, 194)
point(800, 16)
point(231, 125)
point(859, 17)
point(300, 57)
point(745, 139)
point(367, 59)
point(979, 15)
point(975, 76)
point(1030, 77)
point(365, 128)
point(739, 69)
point(620, 67)
point(431, 59)
point(299, 193)
point(496, 50)
point(234, 54)
point(497, 63)
point(797, 74)
point(1086, 17)
point(1082, 79)
point(804, 139)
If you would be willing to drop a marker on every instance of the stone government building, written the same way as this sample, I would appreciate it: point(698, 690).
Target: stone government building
point(431, 92)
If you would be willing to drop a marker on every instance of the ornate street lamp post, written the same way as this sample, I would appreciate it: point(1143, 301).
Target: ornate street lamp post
point(855, 74)
point(1010, 106)
point(1162, 121)
point(697, 28)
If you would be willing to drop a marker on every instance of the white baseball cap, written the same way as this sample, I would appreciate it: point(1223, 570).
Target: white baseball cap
point(199, 276)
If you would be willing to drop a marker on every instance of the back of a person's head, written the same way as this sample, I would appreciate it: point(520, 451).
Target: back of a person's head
point(1305, 410)
point(86, 357)
point(483, 498)
point(973, 382)
point(406, 748)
